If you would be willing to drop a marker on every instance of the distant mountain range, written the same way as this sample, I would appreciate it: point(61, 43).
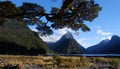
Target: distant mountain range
point(106, 46)
point(68, 45)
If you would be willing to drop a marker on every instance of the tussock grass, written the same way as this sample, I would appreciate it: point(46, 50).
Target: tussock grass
point(55, 61)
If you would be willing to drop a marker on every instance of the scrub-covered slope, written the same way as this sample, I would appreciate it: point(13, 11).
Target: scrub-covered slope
point(17, 38)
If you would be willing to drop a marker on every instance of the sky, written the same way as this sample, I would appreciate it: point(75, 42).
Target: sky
point(103, 27)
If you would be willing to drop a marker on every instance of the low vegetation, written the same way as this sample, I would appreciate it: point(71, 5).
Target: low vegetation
point(51, 62)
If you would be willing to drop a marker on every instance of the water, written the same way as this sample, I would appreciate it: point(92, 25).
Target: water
point(88, 55)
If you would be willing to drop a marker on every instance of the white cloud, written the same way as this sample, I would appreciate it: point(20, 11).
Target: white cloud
point(108, 37)
point(63, 31)
point(51, 38)
point(34, 30)
point(101, 32)
point(57, 34)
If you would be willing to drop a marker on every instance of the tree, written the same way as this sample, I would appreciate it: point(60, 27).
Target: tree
point(72, 14)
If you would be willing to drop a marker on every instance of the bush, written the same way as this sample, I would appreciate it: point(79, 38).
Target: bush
point(58, 60)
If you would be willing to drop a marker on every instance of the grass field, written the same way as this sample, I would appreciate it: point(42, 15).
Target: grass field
point(56, 61)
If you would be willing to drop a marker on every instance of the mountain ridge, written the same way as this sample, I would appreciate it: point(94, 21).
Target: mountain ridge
point(106, 46)
point(65, 45)
point(17, 38)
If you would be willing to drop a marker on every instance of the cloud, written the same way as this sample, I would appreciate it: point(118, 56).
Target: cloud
point(108, 37)
point(101, 32)
point(57, 35)
point(51, 38)
point(34, 30)
point(105, 35)
point(63, 31)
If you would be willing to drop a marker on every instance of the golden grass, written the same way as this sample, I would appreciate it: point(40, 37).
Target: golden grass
point(50, 61)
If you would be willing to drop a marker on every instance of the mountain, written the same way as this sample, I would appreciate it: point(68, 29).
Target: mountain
point(66, 45)
point(106, 46)
point(17, 38)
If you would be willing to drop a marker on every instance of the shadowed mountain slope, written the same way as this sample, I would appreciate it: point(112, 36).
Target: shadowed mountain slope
point(66, 45)
point(106, 46)
point(17, 38)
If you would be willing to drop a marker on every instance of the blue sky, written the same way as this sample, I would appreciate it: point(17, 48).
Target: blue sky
point(103, 27)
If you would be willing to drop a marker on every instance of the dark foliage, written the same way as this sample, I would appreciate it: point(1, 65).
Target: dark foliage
point(12, 48)
point(10, 66)
point(72, 14)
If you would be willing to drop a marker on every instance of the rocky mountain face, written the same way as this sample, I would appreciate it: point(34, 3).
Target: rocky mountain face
point(17, 38)
point(66, 45)
point(106, 47)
